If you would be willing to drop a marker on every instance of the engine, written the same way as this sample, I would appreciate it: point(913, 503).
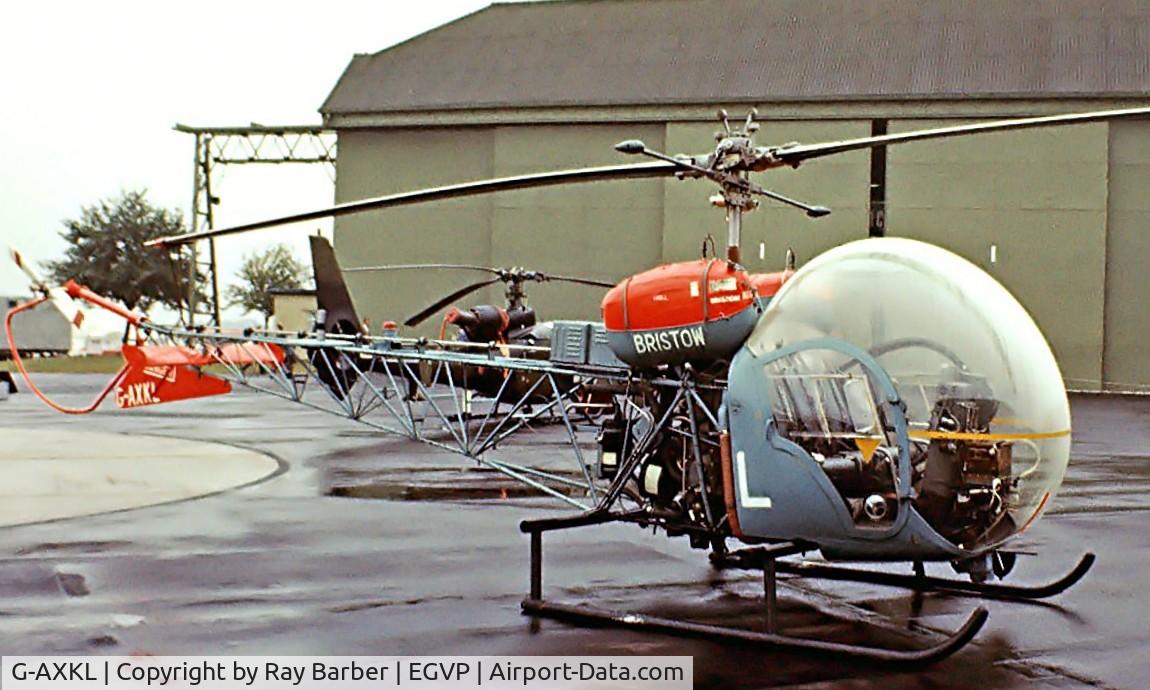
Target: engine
point(486, 324)
point(963, 484)
point(679, 476)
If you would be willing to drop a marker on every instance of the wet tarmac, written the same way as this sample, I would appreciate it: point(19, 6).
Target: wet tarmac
point(358, 548)
point(91, 472)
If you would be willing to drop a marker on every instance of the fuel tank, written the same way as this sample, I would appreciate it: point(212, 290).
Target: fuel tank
point(692, 311)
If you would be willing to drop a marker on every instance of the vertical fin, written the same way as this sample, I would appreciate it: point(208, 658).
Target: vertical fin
point(331, 292)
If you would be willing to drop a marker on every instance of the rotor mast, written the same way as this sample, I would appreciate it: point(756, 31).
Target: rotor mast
point(734, 198)
point(734, 234)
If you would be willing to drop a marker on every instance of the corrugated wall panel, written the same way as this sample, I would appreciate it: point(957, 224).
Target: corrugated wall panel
point(1039, 197)
point(377, 162)
point(1127, 344)
point(602, 230)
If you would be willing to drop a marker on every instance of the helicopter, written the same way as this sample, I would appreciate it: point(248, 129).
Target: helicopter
point(886, 402)
point(513, 324)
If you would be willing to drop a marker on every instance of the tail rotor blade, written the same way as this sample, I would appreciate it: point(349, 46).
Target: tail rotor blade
point(60, 299)
point(22, 264)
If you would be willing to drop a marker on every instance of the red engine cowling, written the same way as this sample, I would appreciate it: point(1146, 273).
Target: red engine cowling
point(693, 311)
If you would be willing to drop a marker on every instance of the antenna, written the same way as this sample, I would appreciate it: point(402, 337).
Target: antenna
point(750, 127)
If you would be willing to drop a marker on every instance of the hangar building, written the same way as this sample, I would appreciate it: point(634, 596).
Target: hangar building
point(1060, 216)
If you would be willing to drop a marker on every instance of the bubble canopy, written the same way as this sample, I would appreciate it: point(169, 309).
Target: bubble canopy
point(987, 413)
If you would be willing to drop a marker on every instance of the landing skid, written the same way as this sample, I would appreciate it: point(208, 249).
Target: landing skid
point(590, 615)
point(755, 559)
point(536, 605)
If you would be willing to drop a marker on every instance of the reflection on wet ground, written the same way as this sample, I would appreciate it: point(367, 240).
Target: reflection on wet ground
point(283, 568)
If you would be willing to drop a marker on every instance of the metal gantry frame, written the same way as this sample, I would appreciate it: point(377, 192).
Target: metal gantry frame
point(253, 144)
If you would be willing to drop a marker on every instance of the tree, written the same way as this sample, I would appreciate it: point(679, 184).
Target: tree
point(106, 253)
point(263, 273)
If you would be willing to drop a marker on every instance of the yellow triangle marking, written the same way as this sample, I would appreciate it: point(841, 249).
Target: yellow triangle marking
point(867, 445)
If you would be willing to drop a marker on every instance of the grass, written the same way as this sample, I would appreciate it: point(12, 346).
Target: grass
point(95, 364)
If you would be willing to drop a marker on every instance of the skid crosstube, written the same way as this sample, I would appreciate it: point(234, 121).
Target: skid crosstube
point(536, 605)
point(754, 559)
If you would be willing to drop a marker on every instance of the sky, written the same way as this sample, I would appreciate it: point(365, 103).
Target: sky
point(91, 91)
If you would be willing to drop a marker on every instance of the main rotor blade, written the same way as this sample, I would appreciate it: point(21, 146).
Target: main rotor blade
point(458, 294)
point(500, 184)
point(502, 273)
point(581, 281)
point(795, 154)
point(403, 267)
